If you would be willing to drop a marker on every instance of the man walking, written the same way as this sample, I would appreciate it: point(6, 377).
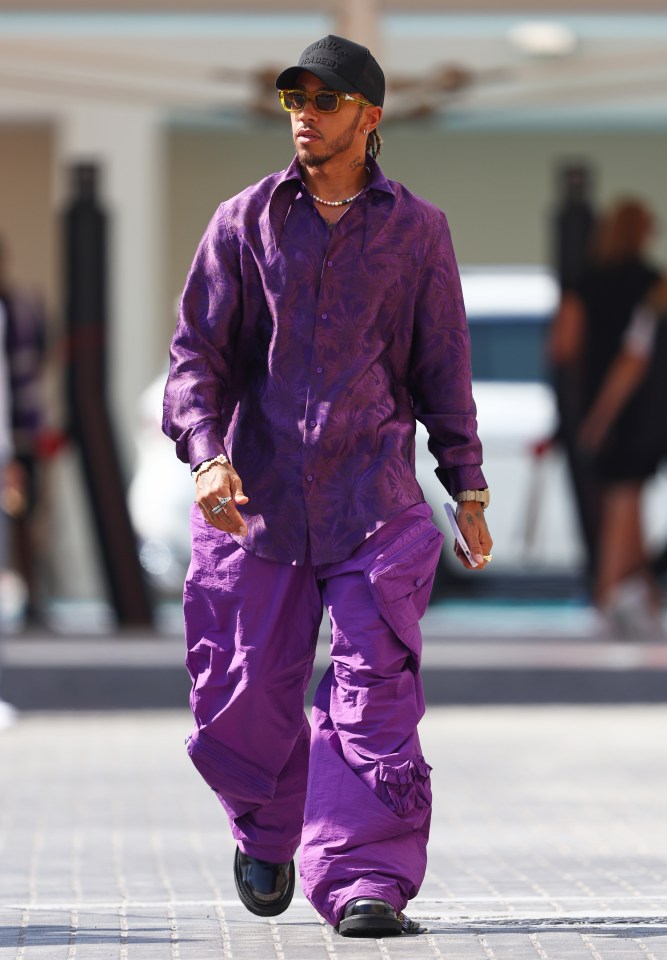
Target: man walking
point(321, 316)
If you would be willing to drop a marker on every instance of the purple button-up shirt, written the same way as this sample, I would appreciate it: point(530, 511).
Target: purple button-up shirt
point(304, 354)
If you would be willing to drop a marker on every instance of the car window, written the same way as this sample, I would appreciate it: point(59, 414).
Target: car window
point(508, 349)
point(509, 311)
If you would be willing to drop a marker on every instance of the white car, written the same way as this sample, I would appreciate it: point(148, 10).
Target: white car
point(532, 515)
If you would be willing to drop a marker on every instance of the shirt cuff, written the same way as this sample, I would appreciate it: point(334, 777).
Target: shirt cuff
point(203, 448)
point(456, 479)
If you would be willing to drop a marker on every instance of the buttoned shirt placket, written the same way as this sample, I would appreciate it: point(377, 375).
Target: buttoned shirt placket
point(316, 401)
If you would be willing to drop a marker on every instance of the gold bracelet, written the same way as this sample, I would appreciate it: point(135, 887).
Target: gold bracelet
point(207, 464)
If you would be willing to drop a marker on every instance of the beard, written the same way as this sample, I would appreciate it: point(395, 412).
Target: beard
point(331, 148)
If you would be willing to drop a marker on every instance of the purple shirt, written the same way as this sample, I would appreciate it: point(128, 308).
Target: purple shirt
point(305, 355)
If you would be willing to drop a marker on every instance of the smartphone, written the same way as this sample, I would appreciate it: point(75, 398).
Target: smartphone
point(451, 516)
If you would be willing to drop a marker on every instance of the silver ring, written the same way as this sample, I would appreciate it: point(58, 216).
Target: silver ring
point(223, 501)
point(219, 509)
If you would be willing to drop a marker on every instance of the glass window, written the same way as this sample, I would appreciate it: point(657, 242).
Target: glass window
point(507, 349)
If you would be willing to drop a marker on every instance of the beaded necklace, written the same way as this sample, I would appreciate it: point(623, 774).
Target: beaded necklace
point(334, 203)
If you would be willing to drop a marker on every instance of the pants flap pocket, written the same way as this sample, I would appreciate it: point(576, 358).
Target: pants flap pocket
point(401, 579)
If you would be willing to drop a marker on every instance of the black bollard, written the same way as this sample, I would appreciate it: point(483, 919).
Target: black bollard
point(89, 422)
point(574, 222)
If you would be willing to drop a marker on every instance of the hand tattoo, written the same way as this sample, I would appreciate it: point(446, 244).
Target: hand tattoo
point(469, 517)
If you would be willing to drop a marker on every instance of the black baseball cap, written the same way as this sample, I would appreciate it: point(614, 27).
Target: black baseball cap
point(342, 65)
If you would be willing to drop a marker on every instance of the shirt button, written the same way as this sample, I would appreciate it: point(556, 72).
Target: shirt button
point(313, 423)
point(419, 581)
point(309, 478)
point(329, 263)
point(325, 316)
point(319, 370)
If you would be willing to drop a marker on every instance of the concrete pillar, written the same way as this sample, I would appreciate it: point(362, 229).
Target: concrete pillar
point(128, 144)
point(359, 20)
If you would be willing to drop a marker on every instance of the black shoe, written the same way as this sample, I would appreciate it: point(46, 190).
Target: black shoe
point(266, 889)
point(366, 917)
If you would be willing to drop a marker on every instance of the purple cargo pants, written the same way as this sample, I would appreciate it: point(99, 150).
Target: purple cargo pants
point(354, 792)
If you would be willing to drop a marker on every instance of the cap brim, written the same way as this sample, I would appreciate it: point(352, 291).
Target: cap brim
point(289, 77)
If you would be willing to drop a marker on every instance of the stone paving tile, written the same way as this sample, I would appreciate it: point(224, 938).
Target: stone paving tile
point(549, 841)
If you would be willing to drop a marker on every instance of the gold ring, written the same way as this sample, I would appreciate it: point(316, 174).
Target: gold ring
point(488, 557)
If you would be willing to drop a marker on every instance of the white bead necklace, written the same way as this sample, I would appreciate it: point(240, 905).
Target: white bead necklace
point(334, 203)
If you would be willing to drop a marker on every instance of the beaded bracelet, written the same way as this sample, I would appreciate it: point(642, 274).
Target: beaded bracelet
point(207, 464)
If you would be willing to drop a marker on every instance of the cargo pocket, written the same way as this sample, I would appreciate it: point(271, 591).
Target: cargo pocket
point(400, 580)
point(407, 785)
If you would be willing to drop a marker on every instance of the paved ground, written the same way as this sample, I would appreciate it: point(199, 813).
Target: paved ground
point(549, 841)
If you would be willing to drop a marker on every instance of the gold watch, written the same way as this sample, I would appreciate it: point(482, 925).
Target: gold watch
point(479, 496)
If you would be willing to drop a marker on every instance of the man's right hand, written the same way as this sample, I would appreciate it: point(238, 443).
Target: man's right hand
point(218, 491)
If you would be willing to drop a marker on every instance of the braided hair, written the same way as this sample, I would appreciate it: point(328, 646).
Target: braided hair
point(374, 143)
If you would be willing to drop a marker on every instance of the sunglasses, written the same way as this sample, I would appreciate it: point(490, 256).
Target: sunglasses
point(326, 101)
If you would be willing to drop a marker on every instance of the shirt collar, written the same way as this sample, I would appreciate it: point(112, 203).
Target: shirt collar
point(376, 178)
point(290, 182)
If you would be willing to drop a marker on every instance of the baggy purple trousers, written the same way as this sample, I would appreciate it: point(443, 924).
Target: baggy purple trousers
point(355, 793)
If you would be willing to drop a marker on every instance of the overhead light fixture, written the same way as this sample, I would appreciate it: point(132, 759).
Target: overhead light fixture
point(543, 38)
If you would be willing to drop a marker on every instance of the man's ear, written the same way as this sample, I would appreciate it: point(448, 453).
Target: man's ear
point(372, 117)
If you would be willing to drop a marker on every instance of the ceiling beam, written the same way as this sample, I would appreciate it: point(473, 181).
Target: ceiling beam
point(339, 9)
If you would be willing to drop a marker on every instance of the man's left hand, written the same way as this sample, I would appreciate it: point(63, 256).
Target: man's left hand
point(472, 522)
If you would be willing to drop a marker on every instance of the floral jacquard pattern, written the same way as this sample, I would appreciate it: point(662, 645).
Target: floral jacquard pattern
point(305, 356)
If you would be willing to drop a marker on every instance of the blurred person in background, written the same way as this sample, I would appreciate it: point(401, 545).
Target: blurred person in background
point(25, 342)
point(322, 314)
point(593, 323)
point(641, 362)
point(11, 487)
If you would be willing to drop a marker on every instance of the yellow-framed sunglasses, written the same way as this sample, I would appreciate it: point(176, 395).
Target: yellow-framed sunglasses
point(325, 101)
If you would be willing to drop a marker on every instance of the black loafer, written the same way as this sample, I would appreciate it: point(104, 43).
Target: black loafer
point(366, 917)
point(265, 889)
